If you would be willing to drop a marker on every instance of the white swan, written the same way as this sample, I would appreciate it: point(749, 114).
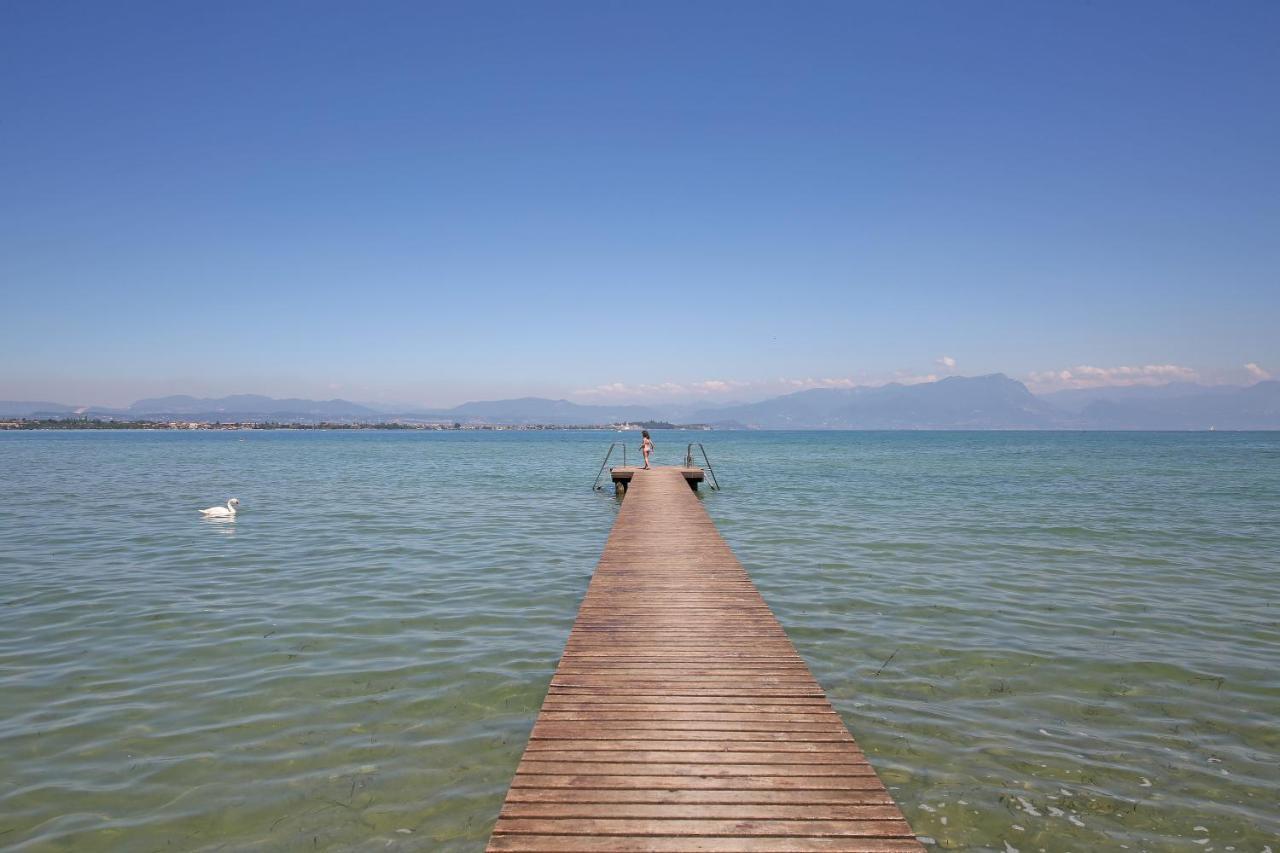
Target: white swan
point(228, 511)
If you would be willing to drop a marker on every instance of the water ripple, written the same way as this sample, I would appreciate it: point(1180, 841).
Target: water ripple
point(1047, 641)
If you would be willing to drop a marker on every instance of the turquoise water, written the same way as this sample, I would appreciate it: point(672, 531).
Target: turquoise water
point(1058, 642)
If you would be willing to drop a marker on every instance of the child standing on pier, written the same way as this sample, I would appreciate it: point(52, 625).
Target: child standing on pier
point(646, 446)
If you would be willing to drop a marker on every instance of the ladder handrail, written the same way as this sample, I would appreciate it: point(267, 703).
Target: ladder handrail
point(688, 462)
point(596, 486)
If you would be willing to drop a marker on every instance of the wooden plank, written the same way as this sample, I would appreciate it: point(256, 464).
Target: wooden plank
point(707, 770)
point(675, 844)
point(565, 698)
point(681, 718)
point(815, 754)
point(698, 742)
point(654, 710)
point(709, 798)
point(758, 781)
point(779, 727)
point(701, 826)
point(712, 811)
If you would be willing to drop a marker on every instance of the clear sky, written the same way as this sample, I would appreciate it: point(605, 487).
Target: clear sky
point(431, 202)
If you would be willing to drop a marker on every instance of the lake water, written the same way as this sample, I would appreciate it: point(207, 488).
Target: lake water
point(1043, 641)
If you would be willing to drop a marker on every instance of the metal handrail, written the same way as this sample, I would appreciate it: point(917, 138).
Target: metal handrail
point(596, 486)
point(688, 462)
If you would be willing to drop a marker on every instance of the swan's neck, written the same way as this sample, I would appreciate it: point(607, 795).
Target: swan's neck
point(231, 508)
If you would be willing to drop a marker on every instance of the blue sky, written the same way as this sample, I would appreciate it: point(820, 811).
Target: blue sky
point(432, 202)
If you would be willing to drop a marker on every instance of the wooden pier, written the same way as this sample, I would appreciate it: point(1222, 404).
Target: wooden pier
point(681, 719)
point(622, 475)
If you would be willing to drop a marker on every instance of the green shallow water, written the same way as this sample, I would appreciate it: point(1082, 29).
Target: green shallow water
point(1058, 642)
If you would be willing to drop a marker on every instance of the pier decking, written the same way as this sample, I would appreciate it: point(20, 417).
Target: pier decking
point(681, 718)
point(622, 475)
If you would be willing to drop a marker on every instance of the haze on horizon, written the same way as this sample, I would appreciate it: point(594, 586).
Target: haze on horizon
point(433, 203)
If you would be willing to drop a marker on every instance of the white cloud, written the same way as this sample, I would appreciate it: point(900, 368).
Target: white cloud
point(904, 378)
point(662, 390)
point(945, 361)
point(1087, 376)
point(1256, 372)
point(713, 386)
point(810, 382)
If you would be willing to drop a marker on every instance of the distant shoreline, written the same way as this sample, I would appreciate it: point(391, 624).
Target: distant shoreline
point(20, 425)
point(17, 424)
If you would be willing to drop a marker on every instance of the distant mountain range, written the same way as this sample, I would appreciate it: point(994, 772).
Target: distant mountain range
point(250, 406)
point(957, 402)
point(1181, 406)
point(982, 402)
